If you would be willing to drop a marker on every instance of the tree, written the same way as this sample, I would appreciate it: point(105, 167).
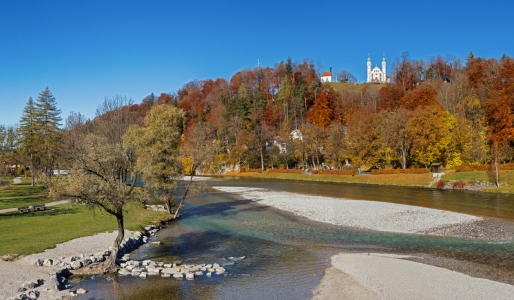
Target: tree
point(336, 145)
point(394, 133)
point(48, 126)
point(157, 146)
point(322, 113)
point(199, 149)
point(30, 134)
point(429, 128)
point(346, 76)
point(103, 169)
point(363, 128)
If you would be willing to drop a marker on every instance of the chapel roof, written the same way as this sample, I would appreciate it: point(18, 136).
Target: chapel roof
point(326, 74)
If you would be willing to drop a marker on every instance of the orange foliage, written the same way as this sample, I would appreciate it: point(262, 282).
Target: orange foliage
point(390, 97)
point(420, 97)
point(335, 172)
point(284, 171)
point(398, 171)
point(322, 112)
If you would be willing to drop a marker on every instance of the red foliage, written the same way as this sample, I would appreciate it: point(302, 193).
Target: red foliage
point(284, 171)
point(458, 185)
point(252, 170)
point(441, 184)
point(322, 112)
point(335, 172)
point(165, 98)
point(390, 97)
point(420, 97)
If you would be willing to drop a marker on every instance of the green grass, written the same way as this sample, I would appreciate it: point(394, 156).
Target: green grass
point(383, 179)
point(505, 177)
point(25, 234)
point(23, 195)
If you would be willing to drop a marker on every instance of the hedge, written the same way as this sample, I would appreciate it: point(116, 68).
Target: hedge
point(284, 171)
point(335, 172)
point(398, 171)
point(251, 170)
point(482, 167)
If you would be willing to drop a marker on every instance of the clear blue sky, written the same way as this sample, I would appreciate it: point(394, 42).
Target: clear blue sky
point(87, 50)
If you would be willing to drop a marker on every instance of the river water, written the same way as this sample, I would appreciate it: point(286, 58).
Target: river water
point(286, 254)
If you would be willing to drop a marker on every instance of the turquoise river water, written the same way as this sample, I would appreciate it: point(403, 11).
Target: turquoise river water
point(285, 254)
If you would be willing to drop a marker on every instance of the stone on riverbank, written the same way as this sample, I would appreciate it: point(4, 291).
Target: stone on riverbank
point(178, 275)
point(190, 276)
point(81, 291)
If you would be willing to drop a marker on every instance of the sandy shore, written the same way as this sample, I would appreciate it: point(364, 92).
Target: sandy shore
point(372, 215)
point(381, 276)
point(13, 273)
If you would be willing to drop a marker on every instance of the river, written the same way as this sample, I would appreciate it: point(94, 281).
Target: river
point(286, 254)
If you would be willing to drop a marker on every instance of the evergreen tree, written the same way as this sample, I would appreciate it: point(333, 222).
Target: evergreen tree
point(30, 134)
point(48, 126)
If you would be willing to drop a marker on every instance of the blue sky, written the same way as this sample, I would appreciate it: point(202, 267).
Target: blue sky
point(87, 50)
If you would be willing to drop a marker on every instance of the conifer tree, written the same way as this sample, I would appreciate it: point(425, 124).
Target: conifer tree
point(30, 134)
point(48, 126)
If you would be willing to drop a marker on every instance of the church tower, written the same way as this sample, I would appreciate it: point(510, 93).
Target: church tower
point(384, 69)
point(369, 69)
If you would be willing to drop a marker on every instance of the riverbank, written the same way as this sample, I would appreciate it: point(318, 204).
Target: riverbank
point(385, 276)
point(468, 179)
point(360, 214)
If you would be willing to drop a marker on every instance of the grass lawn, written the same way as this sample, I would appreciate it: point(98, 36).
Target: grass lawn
point(23, 195)
point(382, 179)
point(25, 234)
point(504, 177)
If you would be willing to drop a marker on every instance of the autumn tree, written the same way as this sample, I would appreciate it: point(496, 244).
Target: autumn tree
point(157, 146)
point(322, 112)
point(394, 133)
point(103, 169)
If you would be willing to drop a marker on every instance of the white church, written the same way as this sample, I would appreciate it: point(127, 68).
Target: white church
point(377, 75)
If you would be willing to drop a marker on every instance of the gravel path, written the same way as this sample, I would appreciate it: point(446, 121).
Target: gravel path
point(380, 216)
point(6, 210)
point(388, 277)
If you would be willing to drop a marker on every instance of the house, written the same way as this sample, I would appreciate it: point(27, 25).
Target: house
point(327, 76)
point(11, 165)
point(276, 141)
point(295, 135)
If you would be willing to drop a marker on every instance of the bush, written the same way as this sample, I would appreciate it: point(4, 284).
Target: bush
point(465, 168)
point(335, 172)
point(398, 171)
point(295, 171)
point(458, 185)
point(441, 184)
point(251, 170)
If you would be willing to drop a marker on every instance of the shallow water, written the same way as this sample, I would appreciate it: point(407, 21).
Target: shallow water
point(286, 255)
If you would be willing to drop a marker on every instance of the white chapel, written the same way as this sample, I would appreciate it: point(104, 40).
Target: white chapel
point(377, 75)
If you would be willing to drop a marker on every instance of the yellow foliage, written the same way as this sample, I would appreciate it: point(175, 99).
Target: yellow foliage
point(187, 164)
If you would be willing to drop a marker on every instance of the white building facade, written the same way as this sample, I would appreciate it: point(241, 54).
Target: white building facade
point(377, 75)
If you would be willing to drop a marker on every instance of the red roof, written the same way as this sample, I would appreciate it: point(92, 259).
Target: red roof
point(275, 137)
point(326, 74)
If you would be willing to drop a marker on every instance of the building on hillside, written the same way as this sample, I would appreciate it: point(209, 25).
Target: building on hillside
point(295, 135)
point(377, 75)
point(276, 141)
point(327, 76)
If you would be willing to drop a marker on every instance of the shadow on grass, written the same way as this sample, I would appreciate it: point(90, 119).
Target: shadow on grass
point(50, 212)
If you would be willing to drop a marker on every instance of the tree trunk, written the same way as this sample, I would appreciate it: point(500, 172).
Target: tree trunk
point(32, 169)
point(262, 160)
point(111, 264)
point(185, 195)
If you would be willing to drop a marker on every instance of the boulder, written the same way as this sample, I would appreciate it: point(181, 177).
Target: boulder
point(160, 264)
point(152, 264)
point(146, 262)
point(137, 263)
point(198, 273)
point(129, 267)
point(86, 262)
point(124, 272)
point(33, 294)
point(32, 284)
point(47, 263)
point(190, 276)
point(203, 269)
point(208, 274)
point(154, 270)
point(166, 275)
point(123, 265)
point(56, 262)
point(178, 275)
point(153, 274)
point(170, 270)
point(81, 291)
point(168, 265)
point(143, 274)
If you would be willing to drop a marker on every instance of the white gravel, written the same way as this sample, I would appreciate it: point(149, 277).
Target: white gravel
point(85, 245)
point(393, 278)
point(14, 272)
point(380, 216)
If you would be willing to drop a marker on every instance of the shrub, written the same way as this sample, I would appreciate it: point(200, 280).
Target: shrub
point(398, 171)
point(458, 185)
point(441, 184)
point(337, 172)
point(251, 170)
point(284, 171)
